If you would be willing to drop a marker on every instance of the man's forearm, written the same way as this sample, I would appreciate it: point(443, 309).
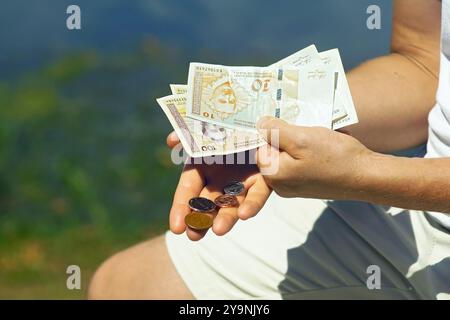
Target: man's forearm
point(410, 183)
point(393, 97)
point(393, 94)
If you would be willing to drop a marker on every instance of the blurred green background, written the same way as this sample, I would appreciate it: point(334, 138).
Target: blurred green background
point(84, 171)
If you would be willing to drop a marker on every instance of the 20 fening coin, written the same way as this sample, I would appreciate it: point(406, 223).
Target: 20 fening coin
point(234, 188)
point(202, 204)
point(226, 201)
point(198, 221)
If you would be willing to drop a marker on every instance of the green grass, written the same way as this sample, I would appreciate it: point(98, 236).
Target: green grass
point(34, 266)
point(84, 171)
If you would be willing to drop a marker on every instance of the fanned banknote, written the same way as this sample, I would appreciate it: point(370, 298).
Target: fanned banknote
point(306, 88)
point(201, 139)
point(237, 97)
point(309, 56)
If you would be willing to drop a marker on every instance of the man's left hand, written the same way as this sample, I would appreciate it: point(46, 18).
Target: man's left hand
point(313, 162)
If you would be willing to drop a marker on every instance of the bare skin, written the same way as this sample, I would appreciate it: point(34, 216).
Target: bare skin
point(393, 95)
point(144, 271)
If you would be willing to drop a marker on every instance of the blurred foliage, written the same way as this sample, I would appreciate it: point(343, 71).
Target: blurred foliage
point(84, 170)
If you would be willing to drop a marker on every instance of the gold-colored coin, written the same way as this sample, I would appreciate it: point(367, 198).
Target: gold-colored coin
point(198, 221)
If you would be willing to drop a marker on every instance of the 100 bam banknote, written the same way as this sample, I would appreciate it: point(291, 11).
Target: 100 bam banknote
point(201, 139)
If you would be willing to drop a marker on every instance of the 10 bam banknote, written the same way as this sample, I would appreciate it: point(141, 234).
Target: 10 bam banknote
point(217, 111)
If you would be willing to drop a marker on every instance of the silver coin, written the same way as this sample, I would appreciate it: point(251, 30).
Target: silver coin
point(234, 188)
point(200, 204)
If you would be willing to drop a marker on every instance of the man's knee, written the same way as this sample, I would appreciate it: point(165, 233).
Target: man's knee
point(144, 271)
point(109, 280)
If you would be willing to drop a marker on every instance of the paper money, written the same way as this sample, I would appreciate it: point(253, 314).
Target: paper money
point(309, 56)
point(305, 57)
point(202, 139)
point(238, 97)
point(178, 88)
point(306, 88)
point(343, 94)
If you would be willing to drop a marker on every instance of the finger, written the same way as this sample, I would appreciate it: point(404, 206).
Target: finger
point(225, 220)
point(172, 140)
point(268, 159)
point(256, 197)
point(210, 194)
point(227, 217)
point(189, 186)
point(278, 133)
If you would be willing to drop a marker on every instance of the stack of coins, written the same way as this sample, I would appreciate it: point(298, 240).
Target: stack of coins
point(198, 220)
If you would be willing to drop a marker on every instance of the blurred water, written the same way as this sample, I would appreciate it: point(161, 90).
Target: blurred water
point(33, 31)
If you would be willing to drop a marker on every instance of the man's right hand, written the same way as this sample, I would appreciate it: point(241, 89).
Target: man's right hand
point(207, 181)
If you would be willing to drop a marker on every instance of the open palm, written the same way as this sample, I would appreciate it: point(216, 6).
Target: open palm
point(208, 181)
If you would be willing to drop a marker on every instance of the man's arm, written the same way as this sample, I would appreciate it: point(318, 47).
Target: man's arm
point(410, 183)
point(315, 162)
point(393, 94)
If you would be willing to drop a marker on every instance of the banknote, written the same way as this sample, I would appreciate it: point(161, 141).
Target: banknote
point(201, 139)
point(178, 88)
point(238, 97)
point(343, 96)
point(302, 58)
point(305, 57)
point(305, 88)
point(309, 56)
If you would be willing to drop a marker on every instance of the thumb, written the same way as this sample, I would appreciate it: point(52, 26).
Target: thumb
point(278, 133)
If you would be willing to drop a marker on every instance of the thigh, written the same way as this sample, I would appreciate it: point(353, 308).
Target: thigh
point(144, 271)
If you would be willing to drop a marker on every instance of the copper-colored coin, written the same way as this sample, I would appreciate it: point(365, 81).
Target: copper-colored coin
point(198, 221)
point(226, 201)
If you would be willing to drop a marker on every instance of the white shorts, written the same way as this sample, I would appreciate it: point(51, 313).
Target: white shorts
point(306, 248)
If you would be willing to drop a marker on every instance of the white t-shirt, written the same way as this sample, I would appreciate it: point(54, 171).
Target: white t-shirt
point(439, 118)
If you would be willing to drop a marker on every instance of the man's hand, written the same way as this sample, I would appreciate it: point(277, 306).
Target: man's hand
point(320, 163)
point(313, 162)
point(207, 181)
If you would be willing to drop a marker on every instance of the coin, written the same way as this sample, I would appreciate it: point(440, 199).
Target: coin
point(198, 221)
point(226, 201)
point(234, 188)
point(202, 204)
